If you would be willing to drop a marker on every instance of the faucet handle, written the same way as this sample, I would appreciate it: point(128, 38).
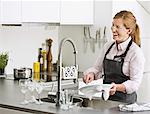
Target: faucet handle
point(70, 72)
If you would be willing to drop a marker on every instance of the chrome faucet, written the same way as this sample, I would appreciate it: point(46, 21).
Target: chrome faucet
point(59, 67)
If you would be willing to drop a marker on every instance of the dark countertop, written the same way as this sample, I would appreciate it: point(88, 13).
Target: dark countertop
point(10, 98)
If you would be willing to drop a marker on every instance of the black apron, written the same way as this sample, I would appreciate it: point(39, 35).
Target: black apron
point(113, 73)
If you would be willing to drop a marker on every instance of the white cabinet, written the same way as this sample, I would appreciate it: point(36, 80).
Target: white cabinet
point(10, 11)
point(73, 12)
point(41, 11)
point(77, 12)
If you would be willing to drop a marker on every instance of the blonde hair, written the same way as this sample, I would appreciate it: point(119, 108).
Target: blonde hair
point(129, 21)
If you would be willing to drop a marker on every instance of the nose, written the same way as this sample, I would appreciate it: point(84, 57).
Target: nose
point(113, 28)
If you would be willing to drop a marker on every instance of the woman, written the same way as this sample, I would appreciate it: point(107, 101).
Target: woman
point(121, 62)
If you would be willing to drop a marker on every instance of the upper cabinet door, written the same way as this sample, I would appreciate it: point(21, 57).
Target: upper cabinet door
point(10, 11)
point(41, 11)
point(76, 12)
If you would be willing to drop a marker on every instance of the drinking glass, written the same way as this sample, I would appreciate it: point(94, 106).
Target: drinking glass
point(31, 87)
point(24, 89)
point(39, 89)
point(67, 99)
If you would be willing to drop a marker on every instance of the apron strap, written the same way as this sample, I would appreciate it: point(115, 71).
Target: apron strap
point(125, 53)
point(109, 49)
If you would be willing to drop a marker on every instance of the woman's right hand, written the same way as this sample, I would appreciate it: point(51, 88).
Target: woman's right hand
point(88, 78)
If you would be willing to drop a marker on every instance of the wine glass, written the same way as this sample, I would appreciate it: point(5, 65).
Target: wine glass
point(24, 89)
point(39, 89)
point(31, 87)
point(67, 99)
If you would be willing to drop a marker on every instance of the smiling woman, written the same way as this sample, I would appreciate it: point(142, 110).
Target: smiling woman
point(121, 62)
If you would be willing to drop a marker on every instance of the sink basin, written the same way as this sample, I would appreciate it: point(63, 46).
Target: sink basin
point(85, 102)
point(100, 104)
point(51, 98)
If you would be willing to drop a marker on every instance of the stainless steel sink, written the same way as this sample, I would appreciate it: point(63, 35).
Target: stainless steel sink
point(52, 99)
point(100, 104)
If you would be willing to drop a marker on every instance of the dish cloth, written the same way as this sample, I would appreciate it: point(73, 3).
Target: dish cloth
point(135, 107)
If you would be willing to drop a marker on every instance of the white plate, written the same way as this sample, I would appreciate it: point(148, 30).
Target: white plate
point(89, 88)
point(90, 91)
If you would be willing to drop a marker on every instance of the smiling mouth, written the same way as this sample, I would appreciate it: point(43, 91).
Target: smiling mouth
point(115, 35)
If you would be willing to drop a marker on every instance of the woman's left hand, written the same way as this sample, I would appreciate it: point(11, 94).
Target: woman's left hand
point(113, 89)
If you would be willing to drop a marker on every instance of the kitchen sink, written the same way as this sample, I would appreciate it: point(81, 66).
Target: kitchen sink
point(52, 99)
point(85, 102)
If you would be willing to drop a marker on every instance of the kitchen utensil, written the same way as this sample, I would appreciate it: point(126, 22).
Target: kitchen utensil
point(99, 37)
point(22, 73)
point(104, 37)
point(88, 39)
point(85, 39)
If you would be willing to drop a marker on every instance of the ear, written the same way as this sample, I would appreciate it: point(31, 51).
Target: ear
point(129, 31)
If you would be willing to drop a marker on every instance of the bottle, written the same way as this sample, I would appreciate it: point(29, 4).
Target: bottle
point(36, 67)
point(49, 56)
point(44, 67)
point(40, 59)
point(36, 74)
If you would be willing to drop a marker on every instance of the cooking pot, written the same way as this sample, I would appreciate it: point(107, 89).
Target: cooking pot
point(22, 73)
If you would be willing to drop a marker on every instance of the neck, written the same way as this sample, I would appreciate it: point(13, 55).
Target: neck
point(118, 42)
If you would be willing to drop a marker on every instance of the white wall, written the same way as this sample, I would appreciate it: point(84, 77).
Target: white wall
point(103, 15)
point(22, 44)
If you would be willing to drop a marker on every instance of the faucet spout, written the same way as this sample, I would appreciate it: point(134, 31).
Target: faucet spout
point(59, 66)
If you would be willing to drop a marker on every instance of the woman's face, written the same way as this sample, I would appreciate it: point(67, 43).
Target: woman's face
point(120, 32)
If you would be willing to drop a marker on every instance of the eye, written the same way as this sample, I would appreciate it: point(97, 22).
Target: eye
point(113, 25)
point(117, 27)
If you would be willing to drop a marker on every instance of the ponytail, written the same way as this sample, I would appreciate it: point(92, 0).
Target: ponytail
point(135, 35)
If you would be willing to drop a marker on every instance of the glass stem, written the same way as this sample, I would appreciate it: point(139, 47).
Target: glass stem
point(24, 97)
point(39, 97)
